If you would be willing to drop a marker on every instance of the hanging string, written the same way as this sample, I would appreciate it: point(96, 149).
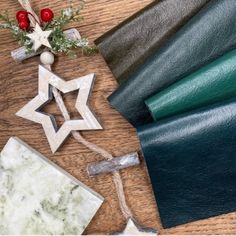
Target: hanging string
point(70, 3)
point(93, 147)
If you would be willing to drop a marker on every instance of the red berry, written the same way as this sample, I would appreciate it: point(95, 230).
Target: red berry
point(24, 24)
point(22, 15)
point(47, 15)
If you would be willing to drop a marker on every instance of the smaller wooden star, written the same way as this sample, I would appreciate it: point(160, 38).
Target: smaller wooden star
point(133, 229)
point(39, 37)
point(31, 111)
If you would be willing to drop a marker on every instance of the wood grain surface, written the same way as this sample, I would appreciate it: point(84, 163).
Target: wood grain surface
point(18, 84)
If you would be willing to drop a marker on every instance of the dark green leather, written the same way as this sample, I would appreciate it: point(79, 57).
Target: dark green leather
point(208, 35)
point(212, 83)
point(191, 159)
point(126, 46)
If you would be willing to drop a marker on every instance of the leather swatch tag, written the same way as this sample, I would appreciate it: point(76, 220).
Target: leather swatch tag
point(212, 83)
point(208, 35)
point(126, 46)
point(191, 159)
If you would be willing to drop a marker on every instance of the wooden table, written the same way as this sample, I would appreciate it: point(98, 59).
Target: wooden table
point(18, 84)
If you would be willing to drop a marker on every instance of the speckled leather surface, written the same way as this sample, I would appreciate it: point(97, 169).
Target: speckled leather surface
point(212, 83)
point(191, 159)
point(126, 46)
point(208, 35)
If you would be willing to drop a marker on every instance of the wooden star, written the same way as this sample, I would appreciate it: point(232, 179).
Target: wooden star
point(133, 229)
point(31, 111)
point(39, 37)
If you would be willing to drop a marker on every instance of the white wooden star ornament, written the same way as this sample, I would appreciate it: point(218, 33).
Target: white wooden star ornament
point(39, 37)
point(31, 111)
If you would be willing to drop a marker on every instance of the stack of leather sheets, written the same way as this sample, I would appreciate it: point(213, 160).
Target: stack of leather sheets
point(175, 61)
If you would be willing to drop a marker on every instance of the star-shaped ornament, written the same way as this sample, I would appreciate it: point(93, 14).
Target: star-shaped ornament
point(39, 37)
point(31, 111)
point(133, 229)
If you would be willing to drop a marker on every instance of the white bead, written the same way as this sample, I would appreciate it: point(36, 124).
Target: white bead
point(47, 58)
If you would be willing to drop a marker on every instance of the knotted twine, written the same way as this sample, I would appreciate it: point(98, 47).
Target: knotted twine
point(26, 4)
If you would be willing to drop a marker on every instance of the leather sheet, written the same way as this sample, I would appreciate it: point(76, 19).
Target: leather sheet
point(126, 46)
point(191, 159)
point(213, 83)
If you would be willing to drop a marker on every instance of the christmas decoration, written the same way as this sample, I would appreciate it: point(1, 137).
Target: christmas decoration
point(47, 58)
point(32, 16)
point(22, 16)
point(31, 110)
point(47, 15)
point(39, 37)
point(24, 24)
point(57, 41)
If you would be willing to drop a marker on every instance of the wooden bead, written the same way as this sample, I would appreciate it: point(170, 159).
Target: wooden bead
point(47, 58)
